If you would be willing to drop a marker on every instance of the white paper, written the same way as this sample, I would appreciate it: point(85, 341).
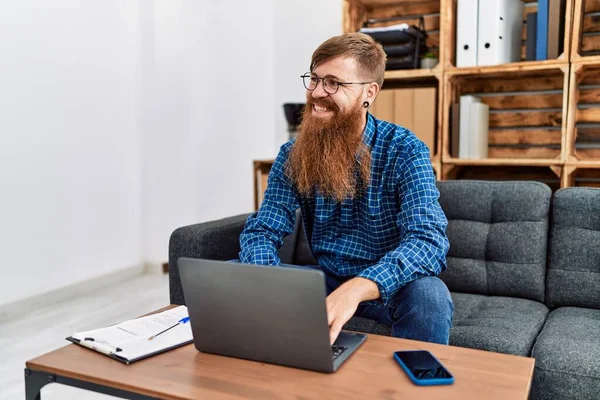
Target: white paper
point(398, 27)
point(132, 336)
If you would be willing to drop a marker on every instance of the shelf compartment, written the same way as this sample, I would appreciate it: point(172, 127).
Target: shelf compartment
point(581, 176)
point(357, 12)
point(449, 34)
point(583, 127)
point(548, 175)
point(586, 30)
point(528, 112)
point(416, 107)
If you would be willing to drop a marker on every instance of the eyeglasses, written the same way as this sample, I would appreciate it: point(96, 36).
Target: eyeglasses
point(330, 84)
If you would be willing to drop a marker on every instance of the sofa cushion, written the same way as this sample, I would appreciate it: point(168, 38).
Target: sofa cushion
point(567, 355)
point(500, 324)
point(215, 240)
point(574, 265)
point(498, 234)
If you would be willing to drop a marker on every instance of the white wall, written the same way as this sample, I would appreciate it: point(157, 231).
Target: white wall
point(69, 151)
point(300, 27)
point(168, 144)
point(207, 112)
point(220, 73)
point(123, 120)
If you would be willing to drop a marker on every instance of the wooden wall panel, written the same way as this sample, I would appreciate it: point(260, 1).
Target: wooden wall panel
point(587, 177)
point(525, 118)
point(589, 95)
point(591, 6)
point(528, 152)
point(543, 100)
point(523, 83)
point(525, 137)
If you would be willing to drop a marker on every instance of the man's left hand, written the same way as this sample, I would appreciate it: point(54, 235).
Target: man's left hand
point(343, 302)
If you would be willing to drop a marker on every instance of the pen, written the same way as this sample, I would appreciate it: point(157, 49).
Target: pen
point(100, 348)
point(181, 321)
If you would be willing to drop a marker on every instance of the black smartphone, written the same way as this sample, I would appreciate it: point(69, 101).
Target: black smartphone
point(423, 368)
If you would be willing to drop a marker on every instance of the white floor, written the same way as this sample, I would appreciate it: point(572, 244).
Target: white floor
point(45, 329)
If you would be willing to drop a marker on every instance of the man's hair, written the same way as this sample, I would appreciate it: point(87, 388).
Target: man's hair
point(368, 54)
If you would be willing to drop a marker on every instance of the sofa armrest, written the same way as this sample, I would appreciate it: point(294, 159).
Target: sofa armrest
point(215, 240)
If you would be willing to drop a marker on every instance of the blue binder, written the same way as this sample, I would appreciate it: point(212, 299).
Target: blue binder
point(541, 52)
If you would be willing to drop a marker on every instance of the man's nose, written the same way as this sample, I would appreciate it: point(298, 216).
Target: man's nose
point(319, 91)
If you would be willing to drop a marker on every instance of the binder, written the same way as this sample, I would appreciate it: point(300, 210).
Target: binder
point(129, 342)
point(500, 30)
point(466, 132)
point(531, 36)
point(466, 33)
point(542, 31)
point(556, 27)
point(479, 129)
point(455, 129)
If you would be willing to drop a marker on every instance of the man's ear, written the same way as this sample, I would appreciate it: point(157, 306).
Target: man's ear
point(372, 91)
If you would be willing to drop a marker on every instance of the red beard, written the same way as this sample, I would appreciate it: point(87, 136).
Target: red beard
point(323, 157)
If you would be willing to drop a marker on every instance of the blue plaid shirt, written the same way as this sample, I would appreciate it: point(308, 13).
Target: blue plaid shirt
point(392, 234)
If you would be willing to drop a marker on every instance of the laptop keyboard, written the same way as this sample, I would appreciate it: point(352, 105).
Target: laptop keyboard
point(337, 351)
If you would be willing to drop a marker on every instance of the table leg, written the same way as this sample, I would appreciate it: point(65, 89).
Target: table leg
point(34, 382)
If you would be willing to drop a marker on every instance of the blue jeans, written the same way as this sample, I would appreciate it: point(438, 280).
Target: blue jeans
point(421, 310)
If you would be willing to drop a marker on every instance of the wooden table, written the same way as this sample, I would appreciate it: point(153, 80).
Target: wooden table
point(370, 373)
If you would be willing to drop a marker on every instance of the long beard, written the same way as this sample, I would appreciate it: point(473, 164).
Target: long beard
point(324, 157)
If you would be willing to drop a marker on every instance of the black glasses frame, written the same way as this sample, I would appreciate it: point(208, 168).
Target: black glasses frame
point(339, 83)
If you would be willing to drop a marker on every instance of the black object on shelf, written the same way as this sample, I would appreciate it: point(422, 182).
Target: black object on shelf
point(399, 50)
point(402, 47)
point(293, 115)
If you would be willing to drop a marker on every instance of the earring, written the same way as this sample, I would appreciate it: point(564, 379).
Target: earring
point(366, 104)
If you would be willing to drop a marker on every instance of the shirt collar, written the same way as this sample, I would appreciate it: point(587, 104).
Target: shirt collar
point(369, 131)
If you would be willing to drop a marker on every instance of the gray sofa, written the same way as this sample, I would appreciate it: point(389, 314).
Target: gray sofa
point(523, 269)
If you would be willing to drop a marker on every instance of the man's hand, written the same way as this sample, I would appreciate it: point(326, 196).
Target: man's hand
point(343, 302)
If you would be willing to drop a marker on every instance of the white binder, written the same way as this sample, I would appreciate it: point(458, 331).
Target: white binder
point(466, 33)
point(479, 129)
point(499, 32)
point(466, 131)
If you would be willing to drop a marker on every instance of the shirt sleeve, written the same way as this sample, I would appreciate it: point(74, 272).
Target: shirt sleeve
point(265, 229)
point(422, 223)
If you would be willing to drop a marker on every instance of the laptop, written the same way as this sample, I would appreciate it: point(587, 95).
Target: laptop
point(275, 315)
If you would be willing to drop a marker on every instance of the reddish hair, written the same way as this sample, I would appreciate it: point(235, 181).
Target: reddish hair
point(368, 54)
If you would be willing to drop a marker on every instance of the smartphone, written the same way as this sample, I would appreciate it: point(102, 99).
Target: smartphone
point(423, 368)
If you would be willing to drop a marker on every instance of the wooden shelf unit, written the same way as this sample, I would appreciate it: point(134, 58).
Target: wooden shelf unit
point(541, 111)
point(530, 102)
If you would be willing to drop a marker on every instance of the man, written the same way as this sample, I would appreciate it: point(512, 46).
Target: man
point(368, 198)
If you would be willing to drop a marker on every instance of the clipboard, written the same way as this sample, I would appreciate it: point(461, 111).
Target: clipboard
point(129, 342)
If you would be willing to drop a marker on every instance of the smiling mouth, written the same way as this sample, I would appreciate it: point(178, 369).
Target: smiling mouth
point(320, 109)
